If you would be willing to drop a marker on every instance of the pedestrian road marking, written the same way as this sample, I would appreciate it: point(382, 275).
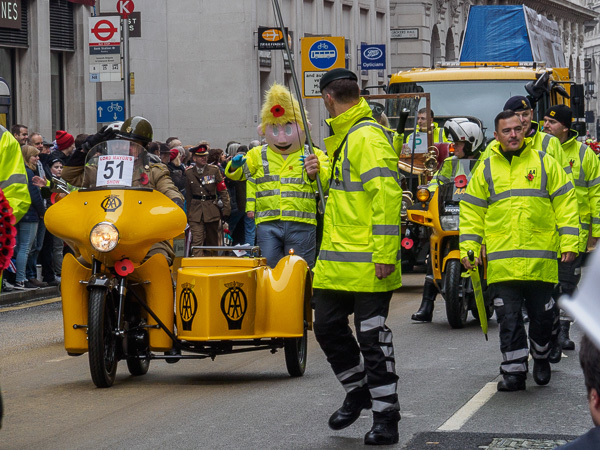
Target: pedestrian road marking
point(31, 304)
point(63, 358)
point(460, 417)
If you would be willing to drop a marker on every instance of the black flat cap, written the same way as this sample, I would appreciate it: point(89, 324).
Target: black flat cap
point(517, 103)
point(336, 74)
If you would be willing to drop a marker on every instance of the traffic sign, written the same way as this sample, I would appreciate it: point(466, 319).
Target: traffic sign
point(110, 111)
point(124, 8)
point(320, 54)
point(104, 31)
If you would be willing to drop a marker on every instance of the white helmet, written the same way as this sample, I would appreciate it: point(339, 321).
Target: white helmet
point(463, 130)
point(116, 126)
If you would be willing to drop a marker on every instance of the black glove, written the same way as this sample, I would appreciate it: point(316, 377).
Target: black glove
point(105, 134)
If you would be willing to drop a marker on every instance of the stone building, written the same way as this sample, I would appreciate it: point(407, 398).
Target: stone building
point(433, 29)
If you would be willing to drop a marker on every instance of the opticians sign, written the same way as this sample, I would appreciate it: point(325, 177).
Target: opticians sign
point(372, 57)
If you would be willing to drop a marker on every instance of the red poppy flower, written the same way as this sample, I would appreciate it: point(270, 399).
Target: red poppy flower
point(460, 181)
point(124, 267)
point(530, 176)
point(407, 243)
point(277, 111)
point(144, 178)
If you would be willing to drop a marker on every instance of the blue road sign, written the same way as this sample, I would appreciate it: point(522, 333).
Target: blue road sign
point(372, 57)
point(110, 111)
point(322, 54)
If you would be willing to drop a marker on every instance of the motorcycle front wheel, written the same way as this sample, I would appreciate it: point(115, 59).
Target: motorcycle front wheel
point(295, 350)
point(457, 306)
point(102, 341)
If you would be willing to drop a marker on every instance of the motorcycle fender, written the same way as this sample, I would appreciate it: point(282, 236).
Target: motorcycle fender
point(159, 297)
point(453, 254)
point(75, 304)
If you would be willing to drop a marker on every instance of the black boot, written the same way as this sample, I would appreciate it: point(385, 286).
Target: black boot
point(425, 312)
point(541, 371)
point(355, 402)
point(563, 336)
point(384, 430)
point(555, 350)
point(511, 383)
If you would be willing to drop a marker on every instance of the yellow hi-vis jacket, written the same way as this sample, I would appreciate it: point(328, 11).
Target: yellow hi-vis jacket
point(527, 212)
point(585, 170)
point(362, 215)
point(451, 168)
point(277, 188)
point(13, 177)
point(539, 141)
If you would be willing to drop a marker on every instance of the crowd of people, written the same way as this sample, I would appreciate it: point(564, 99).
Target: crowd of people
point(214, 219)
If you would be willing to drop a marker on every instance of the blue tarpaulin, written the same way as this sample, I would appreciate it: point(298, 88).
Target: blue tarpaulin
point(496, 33)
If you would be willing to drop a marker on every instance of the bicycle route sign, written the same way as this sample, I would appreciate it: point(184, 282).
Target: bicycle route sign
point(320, 54)
point(110, 111)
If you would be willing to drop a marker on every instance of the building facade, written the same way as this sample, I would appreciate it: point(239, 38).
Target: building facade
point(592, 74)
point(431, 31)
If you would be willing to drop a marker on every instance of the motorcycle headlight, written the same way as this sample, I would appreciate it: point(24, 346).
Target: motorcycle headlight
point(449, 223)
point(104, 237)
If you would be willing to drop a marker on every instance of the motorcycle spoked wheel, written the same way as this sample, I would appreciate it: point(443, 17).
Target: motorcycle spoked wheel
point(102, 341)
point(457, 304)
point(295, 350)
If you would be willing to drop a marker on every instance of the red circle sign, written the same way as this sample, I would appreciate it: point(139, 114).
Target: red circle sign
point(104, 30)
point(125, 7)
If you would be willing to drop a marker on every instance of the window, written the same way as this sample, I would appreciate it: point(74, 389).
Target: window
point(57, 90)
point(62, 27)
point(7, 71)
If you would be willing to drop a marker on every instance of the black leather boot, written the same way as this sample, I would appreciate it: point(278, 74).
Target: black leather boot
point(563, 336)
point(384, 430)
point(555, 350)
point(541, 371)
point(355, 402)
point(511, 383)
point(425, 312)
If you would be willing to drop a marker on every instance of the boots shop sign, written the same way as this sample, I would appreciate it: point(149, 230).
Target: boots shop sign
point(10, 14)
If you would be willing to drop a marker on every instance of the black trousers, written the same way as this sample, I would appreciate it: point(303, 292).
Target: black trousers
point(508, 298)
point(569, 275)
point(368, 362)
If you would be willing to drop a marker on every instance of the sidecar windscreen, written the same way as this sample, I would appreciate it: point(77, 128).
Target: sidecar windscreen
point(114, 164)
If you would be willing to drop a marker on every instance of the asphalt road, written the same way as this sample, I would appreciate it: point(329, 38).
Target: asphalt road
point(447, 394)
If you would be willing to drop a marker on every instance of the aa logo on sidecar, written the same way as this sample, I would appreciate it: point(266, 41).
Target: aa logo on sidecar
point(111, 203)
point(188, 305)
point(234, 304)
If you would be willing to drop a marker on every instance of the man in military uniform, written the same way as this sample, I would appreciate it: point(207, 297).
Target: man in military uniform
point(206, 198)
point(148, 174)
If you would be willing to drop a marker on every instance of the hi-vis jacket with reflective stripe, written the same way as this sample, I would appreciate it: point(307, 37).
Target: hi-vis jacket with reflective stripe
point(277, 188)
point(451, 168)
point(527, 212)
point(437, 133)
point(585, 170)
point(539, 141)
point(13, 177)
point(362, 215)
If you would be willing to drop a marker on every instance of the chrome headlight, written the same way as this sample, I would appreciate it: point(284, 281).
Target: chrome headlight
point(104, 237)
point(449, 223)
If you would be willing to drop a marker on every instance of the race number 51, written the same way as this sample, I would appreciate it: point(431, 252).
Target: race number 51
point(115, 170)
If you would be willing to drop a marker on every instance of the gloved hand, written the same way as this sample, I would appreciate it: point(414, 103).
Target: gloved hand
point(105, 134)
point(237, 161)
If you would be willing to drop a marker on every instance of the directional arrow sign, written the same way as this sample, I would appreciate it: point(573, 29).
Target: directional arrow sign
point(125, 7)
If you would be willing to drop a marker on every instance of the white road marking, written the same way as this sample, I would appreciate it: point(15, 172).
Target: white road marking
point(31, 304)
point(64, 358)
point(460, 417)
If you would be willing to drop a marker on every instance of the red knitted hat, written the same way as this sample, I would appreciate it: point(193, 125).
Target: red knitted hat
point(64, 140)
point(174, 154)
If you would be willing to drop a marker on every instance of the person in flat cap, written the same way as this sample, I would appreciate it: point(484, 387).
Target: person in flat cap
point(585, 169)
point(207, 200)
point(280, 193)
point(540, 140)
point(358, 266)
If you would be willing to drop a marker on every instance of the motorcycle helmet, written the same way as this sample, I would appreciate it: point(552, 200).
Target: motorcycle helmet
point(462, 129)
point(136, 129)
